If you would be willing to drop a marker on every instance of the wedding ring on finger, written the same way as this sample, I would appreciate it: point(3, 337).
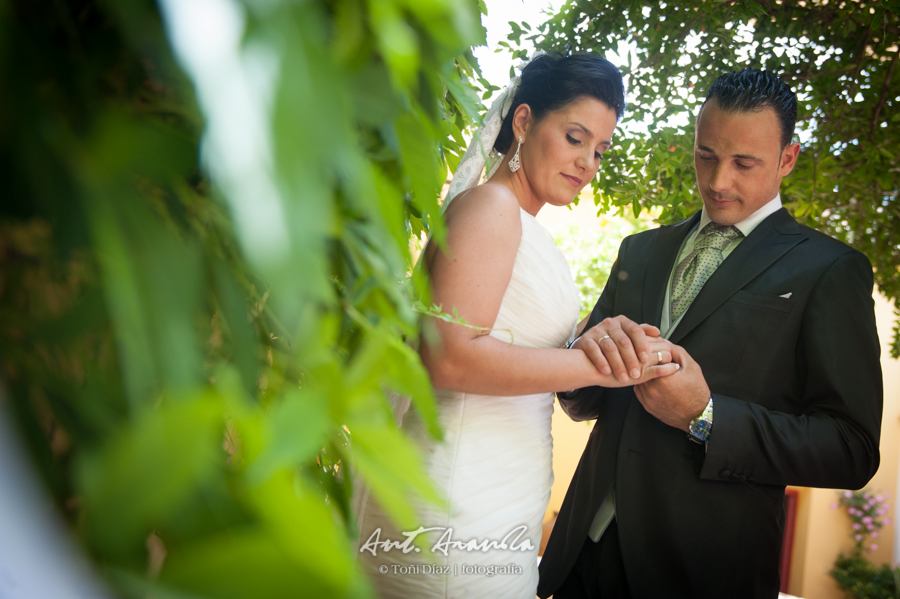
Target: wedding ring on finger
point(602, 338)
point(658, 358)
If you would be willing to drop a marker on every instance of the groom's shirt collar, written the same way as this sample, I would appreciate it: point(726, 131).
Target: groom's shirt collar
point(747, 225)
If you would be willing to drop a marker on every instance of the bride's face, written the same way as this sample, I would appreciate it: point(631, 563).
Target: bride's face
point(562, 152)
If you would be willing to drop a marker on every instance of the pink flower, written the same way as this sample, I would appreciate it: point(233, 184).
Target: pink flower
point(874, 546)
point(870, 526)
point(834, 505)
point(874, 534)
point(867, 519)
point(879, 498)
point(848, 494)
point(858, 537)
point(887, 521)
point(856, 526)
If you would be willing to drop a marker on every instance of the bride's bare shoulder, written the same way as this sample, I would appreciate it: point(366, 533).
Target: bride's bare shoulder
point(482, 221)
point(490, 203)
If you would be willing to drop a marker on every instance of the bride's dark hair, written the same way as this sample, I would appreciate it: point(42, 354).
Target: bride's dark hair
point(552, 81)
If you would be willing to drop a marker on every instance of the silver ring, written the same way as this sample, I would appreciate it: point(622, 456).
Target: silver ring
point(602, 338)
point(658, 358)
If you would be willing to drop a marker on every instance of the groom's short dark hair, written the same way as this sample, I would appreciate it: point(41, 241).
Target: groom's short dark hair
point(752, 90)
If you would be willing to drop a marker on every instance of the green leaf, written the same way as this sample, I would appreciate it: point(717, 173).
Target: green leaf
point(390, 466)
point(135, 479)
point(252, 564)
point(298, 428)
point(408, 376)
point(236, 313)
point(420, 160)
point(465, 95)
point(397, 41)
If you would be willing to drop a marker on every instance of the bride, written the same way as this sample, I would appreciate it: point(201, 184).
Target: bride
point(501, 272)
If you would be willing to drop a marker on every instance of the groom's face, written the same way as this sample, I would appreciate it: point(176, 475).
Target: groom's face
point(739, 161)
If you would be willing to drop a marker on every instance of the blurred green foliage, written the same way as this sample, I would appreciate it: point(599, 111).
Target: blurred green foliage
point(840, 57)
point(592, 248)
point(861, 579)
point(199, 367)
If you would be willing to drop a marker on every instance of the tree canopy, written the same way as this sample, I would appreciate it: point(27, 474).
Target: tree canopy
point(840, 56)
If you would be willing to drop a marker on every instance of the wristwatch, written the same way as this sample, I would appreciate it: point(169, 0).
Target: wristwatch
point(700, 427)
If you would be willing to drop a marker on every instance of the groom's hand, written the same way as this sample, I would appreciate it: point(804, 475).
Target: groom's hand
point(679, 398)
point(618, 346)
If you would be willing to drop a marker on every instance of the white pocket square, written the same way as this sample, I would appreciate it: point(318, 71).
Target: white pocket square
point(787, 295)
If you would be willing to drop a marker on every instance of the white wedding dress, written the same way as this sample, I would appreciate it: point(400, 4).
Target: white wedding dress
point(493, 467)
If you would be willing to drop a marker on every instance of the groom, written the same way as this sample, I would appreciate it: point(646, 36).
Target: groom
point(679, 492)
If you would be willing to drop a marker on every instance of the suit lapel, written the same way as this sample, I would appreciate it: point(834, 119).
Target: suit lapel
point(767, 243)
point(659, 266)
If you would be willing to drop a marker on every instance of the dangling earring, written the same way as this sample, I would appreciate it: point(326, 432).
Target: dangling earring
point(514, 164)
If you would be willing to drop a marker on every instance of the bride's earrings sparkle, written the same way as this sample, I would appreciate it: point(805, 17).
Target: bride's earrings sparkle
point(514, 163)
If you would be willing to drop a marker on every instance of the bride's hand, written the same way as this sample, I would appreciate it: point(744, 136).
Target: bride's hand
point(661, 364)
point(620, 347)
point(662, 361)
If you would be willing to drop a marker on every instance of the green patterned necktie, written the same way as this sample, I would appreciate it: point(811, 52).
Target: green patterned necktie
point(693, 272)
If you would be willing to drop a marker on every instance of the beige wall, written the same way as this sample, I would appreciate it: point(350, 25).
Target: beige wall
point(569, 439)
point(821, 532)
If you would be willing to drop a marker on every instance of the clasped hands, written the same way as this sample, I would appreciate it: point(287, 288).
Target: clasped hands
point(636, 355)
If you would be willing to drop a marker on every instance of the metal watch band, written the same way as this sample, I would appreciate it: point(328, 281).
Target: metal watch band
point(701, 426)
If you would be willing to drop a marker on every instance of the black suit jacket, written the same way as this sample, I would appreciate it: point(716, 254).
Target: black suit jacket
point(797, 395)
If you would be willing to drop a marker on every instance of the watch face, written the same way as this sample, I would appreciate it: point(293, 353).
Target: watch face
point(700, 428)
